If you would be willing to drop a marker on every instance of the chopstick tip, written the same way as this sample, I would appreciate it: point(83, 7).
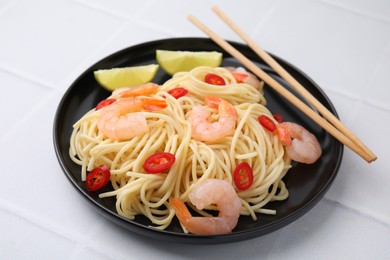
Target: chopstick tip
point(373, 159)
point(191, 18)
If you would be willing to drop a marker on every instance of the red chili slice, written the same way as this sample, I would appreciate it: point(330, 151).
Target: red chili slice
point(278, 117)
point(98, 178)
point(243, 176)
point(214, 79)
point(267, 123)
point(159, 162)
point(105, 103)
point(178, 92)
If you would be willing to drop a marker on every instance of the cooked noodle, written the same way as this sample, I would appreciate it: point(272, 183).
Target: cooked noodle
point(138, 192)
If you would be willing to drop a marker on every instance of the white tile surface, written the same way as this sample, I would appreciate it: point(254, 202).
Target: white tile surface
point(307, 33)
point(136, 34)
point(44, 45)
point(47, 44)
point(377, 10)
point(24, 240)
point(119, 8)
point(376, 93)
point(154, 16)
point(28, 94)
point(372, 195)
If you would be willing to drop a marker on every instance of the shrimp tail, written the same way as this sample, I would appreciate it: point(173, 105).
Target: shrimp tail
point(212, 101)
point(182, 212)
point(153, 104)
point(284, 136)
point(198, 225)
point(227, 110)
point(147, 89)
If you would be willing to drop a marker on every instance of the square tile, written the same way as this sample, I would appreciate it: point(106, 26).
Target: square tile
point(53, 40)
point(19, 98)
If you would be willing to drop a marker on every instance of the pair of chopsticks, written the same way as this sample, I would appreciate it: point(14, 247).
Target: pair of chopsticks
point(335, 127)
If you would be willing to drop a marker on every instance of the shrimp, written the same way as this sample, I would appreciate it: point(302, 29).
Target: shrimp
point(211, 191)
point(117, 122)
point(304, 147)
point(243, 76)
point(204, 130)
point(126, 92)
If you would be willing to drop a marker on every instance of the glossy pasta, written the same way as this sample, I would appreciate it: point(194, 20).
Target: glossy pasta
point(138, 192)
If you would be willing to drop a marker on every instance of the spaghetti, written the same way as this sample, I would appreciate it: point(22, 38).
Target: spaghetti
point(138, 192)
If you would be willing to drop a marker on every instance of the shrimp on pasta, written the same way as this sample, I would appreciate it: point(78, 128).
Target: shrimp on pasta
point(205, 130)
point(303, 147)
point(211, 191)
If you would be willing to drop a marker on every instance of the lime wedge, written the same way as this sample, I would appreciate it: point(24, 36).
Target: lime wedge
point(112, 79)
point(175, 61)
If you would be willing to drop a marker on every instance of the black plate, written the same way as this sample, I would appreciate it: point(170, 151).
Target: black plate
point(307, 184)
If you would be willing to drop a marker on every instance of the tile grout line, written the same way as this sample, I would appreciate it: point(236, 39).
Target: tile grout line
point(81, 242)
point(87, 60)
point(145, 7)
point(31, 111)
point(33, 219)
point(377, 68)
point(24, 77)
point(135, 18)
point(360, 99)
point(98, 8)
point(353, 11)
point(7, 6)
point(271, 11)
point(357, 212)
point(126, 21)
point(110, 12)
point(146, 24)
point(84, 244)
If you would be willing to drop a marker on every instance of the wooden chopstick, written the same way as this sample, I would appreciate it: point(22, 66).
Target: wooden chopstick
point(281, 90)
point(294, 83)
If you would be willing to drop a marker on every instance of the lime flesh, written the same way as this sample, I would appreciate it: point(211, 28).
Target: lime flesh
point(176, 61)
point(112, 79)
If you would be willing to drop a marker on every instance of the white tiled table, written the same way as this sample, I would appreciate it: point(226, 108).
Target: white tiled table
point(44, 45)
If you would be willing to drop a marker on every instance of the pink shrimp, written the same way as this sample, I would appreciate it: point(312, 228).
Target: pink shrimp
point(304, 146)
point(117, 121)
point(204, 130)
point(243, 76)
point(211, 191)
